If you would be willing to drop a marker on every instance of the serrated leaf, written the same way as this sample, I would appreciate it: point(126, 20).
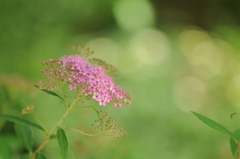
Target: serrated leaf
point(233, 143)
point(213, 124)
point(39, 155)
point(62, 142)
point(20, 121)
point(50, 92)
point(25, 135)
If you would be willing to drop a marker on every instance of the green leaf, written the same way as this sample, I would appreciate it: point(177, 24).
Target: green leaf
point(50, 92)
point(62, 142)
point(233, 143)
point(25, 134)
point(39, 155)
point(213, 124)
point(16, 119)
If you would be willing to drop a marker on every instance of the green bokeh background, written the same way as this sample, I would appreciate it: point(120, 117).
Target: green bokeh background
point(173, 57)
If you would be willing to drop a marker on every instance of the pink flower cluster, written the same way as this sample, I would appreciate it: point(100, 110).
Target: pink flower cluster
point(87, 79)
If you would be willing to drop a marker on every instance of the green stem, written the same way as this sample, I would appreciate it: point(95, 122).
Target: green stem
point(61, 91)
point(89, 106)
point(96, 112)
point(39, 121)
point(97, 134)
point(81, 132)
point(71, 108)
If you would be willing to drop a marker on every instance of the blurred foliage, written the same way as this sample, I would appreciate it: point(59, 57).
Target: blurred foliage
point(172, 58)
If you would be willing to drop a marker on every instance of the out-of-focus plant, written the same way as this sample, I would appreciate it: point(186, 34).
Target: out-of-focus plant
point(87, 78)
point(234, 136)
point(14, 92)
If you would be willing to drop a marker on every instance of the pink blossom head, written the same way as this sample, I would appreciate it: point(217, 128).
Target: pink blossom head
point(88, 79)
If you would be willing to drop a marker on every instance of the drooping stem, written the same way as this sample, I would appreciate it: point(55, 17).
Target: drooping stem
point(81, 132)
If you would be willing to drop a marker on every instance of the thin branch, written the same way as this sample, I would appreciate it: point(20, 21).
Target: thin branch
point(79, 131)
point(39, 121)
point(89, 106)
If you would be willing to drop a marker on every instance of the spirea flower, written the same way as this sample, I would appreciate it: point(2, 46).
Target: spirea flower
point(87, 79)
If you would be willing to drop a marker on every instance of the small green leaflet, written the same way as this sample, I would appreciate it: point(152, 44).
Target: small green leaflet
point(62, 142)
point(25, 135)
point(20, 121)
point(50, 92)
point(214, 124)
